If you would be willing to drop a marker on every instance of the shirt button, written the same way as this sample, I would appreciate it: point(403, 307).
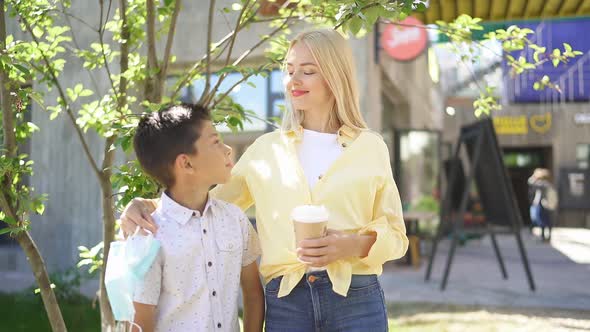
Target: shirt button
point(344, 145)
point(214, 293)
point(209, 264)
point(320, 177)
point(204, 231)
point(219, 325)
point(194, 214)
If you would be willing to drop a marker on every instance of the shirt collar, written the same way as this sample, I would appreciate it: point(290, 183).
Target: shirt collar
point(345, 133)
point(179, 213)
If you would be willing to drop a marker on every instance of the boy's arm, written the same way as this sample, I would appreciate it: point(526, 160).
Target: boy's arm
point(145, 317)
point(253, 297)
point(147, 294)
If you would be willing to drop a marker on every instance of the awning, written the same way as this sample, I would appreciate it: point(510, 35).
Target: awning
point(504, 10)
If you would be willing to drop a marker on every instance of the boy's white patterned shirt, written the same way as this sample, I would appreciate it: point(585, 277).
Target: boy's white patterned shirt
point(195, 279)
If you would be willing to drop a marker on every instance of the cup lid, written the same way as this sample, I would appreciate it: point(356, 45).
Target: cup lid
point(310, 213)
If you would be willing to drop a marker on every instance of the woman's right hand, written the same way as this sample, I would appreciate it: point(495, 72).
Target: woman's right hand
point(138, 213)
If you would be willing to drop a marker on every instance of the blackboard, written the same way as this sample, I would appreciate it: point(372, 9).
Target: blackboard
point(486, 169)
point(491, 176)
point(459, 185)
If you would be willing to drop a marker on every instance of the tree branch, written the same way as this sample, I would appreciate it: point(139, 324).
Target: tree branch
point(351, 15)
point(272, 19)
point(208, 57)
point(169, 41)
point(75, 42)
point(70, 15)
point(251, 116)
point(232, 41)
point(242, 80)
point(151, 35)
point(152, 90)
point(285, 23)
point(124, 58)
point(101, 40)
point(5, 205)
point(66, 105)
point(106, 18)
point(247, 52)
point(264, 39)
point(233, 38)
point(197, 65)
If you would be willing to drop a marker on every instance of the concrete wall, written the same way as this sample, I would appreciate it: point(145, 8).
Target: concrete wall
point(416, 100)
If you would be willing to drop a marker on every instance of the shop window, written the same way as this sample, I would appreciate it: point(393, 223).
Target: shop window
point(417, 168)
point(523, 159)
point(583, 155)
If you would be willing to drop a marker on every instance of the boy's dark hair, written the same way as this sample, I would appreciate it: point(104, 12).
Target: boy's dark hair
point(161, 136)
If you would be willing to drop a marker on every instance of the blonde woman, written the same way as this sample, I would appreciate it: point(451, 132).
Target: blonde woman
point(323, 155)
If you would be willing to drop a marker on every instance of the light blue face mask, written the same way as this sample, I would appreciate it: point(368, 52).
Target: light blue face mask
point(127, 264)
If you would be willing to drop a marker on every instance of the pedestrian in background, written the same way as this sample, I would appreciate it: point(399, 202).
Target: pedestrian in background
point(543, 198)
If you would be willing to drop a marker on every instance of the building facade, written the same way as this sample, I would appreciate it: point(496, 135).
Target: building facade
point(72, 216)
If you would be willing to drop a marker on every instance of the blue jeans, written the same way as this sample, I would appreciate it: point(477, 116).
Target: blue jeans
point(313, 306)
point(540, 216)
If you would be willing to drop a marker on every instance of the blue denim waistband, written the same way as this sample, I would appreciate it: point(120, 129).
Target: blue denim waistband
point(321, 277)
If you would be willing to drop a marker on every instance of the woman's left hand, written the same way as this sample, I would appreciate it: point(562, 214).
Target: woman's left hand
point(332, 247)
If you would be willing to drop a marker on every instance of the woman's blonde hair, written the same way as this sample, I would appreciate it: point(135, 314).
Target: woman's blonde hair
point(542, 174)
point(333, 55)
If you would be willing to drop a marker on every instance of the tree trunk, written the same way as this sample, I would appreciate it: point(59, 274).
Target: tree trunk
point(108, 210)
point(108, 206)
point(151, 91)
point(108, 232)
point(8, 119)
point(38, 266)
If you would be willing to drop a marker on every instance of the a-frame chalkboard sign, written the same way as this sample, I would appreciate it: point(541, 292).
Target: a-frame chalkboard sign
point(486, 170)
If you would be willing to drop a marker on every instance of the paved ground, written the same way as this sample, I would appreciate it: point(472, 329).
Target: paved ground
point(561, 270)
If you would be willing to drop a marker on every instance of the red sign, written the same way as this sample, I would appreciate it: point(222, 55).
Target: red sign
point(406, 40)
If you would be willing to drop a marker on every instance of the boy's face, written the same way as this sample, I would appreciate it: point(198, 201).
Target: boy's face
point(212, 163)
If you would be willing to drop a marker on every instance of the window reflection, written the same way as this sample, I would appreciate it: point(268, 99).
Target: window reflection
point(259, 94)
point(417, 165)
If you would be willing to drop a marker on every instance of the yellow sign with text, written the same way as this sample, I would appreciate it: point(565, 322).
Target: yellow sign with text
point(511, 125)
point(519, 124)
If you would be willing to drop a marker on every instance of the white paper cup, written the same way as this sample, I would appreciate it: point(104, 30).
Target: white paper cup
point(309, 222)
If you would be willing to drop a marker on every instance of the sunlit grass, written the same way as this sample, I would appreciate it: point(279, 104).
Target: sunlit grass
point(26, 313)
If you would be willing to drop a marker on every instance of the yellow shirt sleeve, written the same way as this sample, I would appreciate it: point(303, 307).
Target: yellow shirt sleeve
point(236, 190)
point(388, 223)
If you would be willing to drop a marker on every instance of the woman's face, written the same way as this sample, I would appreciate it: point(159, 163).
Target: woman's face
point(304, 83)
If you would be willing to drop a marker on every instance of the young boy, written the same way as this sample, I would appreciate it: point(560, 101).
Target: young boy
point(208, 247)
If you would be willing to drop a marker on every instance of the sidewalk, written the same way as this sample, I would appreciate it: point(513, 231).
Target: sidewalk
point(561, 271)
